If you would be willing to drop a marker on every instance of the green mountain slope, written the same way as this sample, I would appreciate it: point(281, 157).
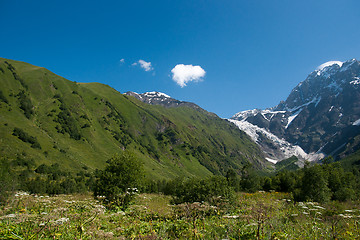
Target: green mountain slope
point(49, 119)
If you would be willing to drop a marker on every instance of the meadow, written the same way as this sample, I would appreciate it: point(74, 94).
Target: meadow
point(260, 215)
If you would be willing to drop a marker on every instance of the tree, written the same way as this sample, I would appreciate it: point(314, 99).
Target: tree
point(314, 185)
point(285, 181)
point(214, 190)
point(341, 183)
point(8, 181)
point(233, 179)
point(119, 180)
point(250, 181)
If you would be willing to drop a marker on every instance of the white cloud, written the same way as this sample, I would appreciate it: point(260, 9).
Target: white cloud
point(122, 60)
point(182, 74)
point(144, 65)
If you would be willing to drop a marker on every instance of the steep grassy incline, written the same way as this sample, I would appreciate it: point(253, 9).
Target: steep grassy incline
point(52, 120)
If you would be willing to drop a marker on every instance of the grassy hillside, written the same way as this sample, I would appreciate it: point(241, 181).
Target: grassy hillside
point(352, 162)
point(287, 164)
point(49, 119)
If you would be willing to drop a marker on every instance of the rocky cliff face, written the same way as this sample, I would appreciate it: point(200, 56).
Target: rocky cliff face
point(321, 114)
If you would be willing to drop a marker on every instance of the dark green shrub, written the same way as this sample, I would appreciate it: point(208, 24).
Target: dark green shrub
point(25, 104)
point(250, 182)
point(214, 190)
point(3, 98)
point(314, 185)
point(23, 136)
point(119, 180)
point(8, 181)
point(67, 123)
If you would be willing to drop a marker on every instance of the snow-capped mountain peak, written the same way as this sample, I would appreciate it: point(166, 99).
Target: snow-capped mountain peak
point(156, 94)
point(329, 68)
point(321, 115)
point(159, 98)
point(327, 64)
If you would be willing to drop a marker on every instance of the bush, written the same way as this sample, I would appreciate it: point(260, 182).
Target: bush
point(119, 180)
point(23, 136)
point(3, 98)
point(214, 190)
point(7, 181)
point(314, 185)
point(67, 123)
point(25, 104)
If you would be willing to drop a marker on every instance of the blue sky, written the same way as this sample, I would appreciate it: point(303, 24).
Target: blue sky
point(253, 52)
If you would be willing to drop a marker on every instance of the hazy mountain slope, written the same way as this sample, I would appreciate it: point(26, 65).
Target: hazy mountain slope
point(83, 124)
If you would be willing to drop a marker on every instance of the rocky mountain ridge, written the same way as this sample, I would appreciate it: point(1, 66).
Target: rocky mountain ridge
point(162, 99)
point(320, 115)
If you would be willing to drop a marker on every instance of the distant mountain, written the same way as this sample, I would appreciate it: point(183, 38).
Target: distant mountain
point(321, 116)
point(158, 98)
point(48, 119)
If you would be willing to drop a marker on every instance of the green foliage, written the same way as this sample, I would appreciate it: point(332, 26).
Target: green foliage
point(119, 180)
point(285, 181)
point(320, 183)
point(15, 75)
point(22, 174)
point(67, 123)
point(314, 185)
point(23, 136)
point(287, 164)
point(3, 98)
point(342, 184)
point(250, 181)
point(214, 190)
point(233, 179)
point(25, 104)
point(8, 181)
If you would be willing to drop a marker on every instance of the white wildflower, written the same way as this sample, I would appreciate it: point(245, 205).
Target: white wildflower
point(234, 216)
point(9, 216)
point(61, 221)
point(19, 194)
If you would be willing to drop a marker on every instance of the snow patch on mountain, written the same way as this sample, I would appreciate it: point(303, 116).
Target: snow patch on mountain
point(356, 123)
point(314, 100)
point(323, 67)
point(156, 94)
point(271, 160)
point(245, 114)
point(292, 117)
point(356, 81)
point(287, 149)
point(268, 114)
